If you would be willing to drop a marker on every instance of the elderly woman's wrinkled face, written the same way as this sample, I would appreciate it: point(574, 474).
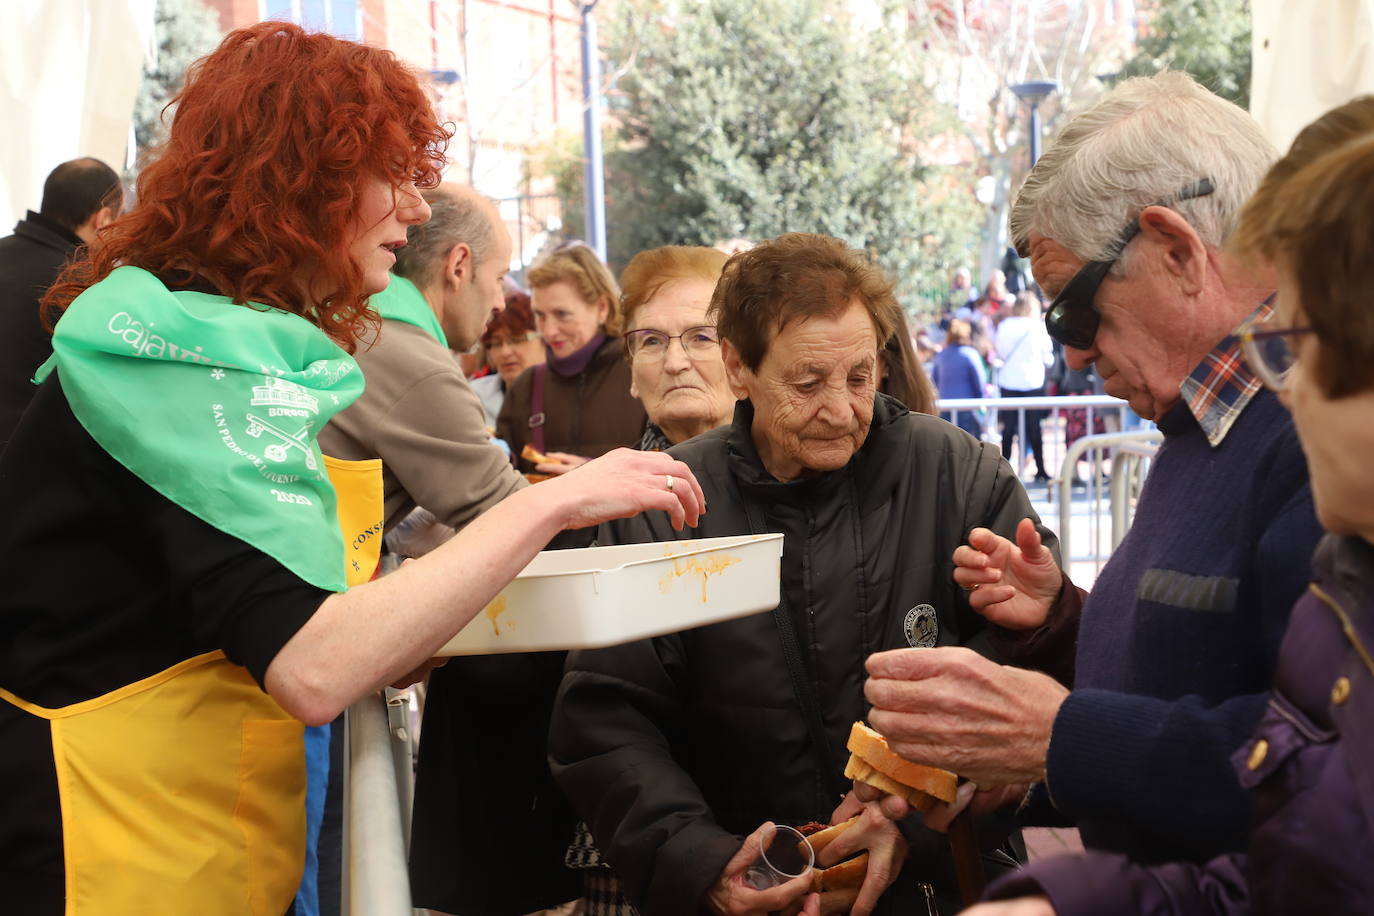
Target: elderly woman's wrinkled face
point(682, 384)
point(812, 393)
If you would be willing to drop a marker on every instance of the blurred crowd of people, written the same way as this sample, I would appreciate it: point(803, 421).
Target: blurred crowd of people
point(299, 353)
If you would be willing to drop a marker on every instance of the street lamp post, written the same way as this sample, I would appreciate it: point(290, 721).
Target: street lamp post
point(1035, 92)
point(593, 175)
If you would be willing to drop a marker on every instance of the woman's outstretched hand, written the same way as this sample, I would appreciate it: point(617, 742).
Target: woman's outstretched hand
point(626, 482)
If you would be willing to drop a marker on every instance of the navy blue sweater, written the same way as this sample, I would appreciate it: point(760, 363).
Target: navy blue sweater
point(1179, 639)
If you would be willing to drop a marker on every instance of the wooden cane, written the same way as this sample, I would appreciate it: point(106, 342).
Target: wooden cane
point(968, 858)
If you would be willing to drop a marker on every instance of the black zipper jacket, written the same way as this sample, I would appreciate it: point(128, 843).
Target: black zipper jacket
point(674, 748)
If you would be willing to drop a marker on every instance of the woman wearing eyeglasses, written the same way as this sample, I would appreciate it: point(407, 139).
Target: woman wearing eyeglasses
point(675, 365)
point(677, 372)
point(1309, 766)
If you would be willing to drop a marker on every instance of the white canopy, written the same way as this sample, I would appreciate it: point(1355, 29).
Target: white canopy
point(1308, 57)
point(69, 72)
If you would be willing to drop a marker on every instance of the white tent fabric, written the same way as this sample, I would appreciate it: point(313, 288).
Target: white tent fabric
point(1308, 57)
point(69, 72)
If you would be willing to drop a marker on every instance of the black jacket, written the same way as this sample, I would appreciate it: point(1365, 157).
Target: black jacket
point(674, 748)
point(30, 261)
point(588, 414)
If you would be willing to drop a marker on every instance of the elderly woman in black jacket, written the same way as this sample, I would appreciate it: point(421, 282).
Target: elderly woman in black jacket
point(676, 748)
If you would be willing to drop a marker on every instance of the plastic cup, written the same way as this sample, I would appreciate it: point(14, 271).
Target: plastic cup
point(786, 855)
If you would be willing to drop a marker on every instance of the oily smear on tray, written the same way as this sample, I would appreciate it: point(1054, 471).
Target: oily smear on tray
point(706, 567)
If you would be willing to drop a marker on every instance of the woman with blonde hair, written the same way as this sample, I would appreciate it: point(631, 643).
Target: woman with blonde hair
point(578, 404)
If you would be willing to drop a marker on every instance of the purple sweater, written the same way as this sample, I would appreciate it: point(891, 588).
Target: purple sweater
point(1179, 638)
point(1310, 771)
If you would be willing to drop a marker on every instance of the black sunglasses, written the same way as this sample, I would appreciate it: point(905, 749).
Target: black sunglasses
point(1073, 318)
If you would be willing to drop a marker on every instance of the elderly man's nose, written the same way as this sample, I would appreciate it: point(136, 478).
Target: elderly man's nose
point(1079, 360)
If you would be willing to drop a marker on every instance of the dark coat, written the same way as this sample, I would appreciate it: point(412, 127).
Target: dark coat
point(30, 261)
point(589, 414)
point(1310, 771)
point(674, 748)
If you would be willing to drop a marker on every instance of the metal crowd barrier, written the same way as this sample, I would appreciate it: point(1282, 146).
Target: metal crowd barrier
point(379, 781)
point(1131, 454)
point(1092, 522)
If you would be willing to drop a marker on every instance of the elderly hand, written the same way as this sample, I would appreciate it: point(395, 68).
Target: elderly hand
point(732, 896)
point(1021, 906)
point(887, 850)
point(625, 482)
point(1013, 585)
point(952, 708)
point(968, 795)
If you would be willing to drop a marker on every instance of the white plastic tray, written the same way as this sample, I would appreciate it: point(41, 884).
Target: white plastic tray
point(603, 596)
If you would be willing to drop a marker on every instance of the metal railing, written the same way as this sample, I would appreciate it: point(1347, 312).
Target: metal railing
point(1094, 521)
point(379, 782)
point(1131, 454)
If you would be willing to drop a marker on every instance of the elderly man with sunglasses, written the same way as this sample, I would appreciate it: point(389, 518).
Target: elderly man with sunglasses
point(1125, 220)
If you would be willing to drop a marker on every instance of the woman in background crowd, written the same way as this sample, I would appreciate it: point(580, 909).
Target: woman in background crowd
point(959, 373)
point(578, 405)
point(1026, 352)
point(674, 352)
point(677, 372)
point(511, 345)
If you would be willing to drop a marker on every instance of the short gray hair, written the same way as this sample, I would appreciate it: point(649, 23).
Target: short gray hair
point(457, 215)
point(1141, 144)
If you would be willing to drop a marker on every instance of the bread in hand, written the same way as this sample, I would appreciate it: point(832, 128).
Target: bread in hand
point(871, 761)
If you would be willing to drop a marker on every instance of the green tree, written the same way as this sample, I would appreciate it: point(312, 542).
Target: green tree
point(1208, 38)
point(750, 118)
point(184, 31)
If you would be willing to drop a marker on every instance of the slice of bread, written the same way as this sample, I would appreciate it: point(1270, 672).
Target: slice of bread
point(873, 762)
point(849, 873)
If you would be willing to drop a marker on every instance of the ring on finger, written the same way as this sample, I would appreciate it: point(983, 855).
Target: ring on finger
point(669, 479)
point(974, 587)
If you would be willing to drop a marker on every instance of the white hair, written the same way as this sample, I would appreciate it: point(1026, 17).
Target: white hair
point(1140, 145)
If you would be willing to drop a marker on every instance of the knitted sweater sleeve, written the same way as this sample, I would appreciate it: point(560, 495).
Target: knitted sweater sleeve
point(1163, 766)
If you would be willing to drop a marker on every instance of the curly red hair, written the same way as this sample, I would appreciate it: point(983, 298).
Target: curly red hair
point(273, 135)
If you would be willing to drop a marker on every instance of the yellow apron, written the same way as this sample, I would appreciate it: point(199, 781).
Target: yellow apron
point(185, 791)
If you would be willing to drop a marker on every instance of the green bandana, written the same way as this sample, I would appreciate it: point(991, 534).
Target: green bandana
point(214, 405)
point(403, 301)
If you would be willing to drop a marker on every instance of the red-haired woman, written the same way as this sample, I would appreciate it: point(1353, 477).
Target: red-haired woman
point(175, 602)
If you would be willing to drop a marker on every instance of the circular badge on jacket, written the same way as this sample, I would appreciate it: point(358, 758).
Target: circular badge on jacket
point(921, 627)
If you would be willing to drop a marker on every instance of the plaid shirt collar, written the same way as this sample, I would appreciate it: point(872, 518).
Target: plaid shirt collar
point(1221, 386)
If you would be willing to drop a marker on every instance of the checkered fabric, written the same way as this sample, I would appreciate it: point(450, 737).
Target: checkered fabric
point(1222, 385)
point(601, 892)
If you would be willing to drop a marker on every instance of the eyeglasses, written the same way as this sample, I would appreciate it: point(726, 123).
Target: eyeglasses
point(497, 342)
point(651, 345)
point(1269, 351)
point(1073, 318)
